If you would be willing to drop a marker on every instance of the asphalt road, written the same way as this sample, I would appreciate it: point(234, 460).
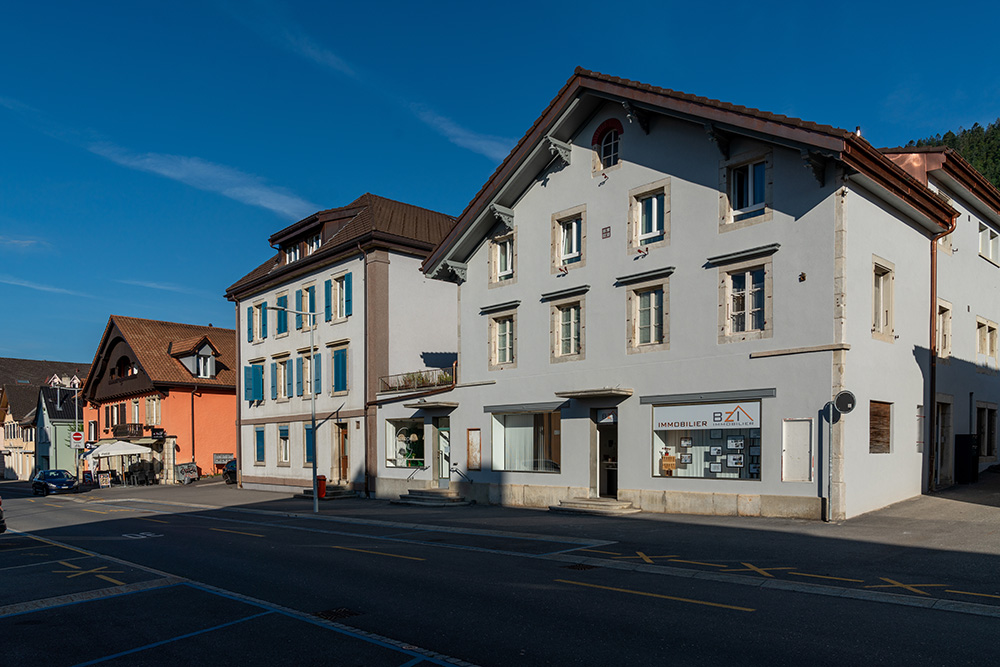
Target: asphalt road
point(150, 579)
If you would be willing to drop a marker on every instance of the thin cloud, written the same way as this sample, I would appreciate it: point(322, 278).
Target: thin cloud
point(17, 282)
point(291, 37)
point(20, 244)
point(211, 177)
point(165, 287)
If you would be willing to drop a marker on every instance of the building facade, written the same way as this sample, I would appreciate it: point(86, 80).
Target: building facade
point(167, 386)
point(61, 410)
point(660, 296)
point(339, 311)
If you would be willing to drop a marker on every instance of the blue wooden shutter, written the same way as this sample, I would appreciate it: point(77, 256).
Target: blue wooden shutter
point(259, 454)
point(310, 444)
point(263, 320)
point(312, 302)
point(347, 295)
point(317, 365)
point(340, 370)
point(298, 307)
point(289, 380)
point(298, 376)
point(258, 382)
point(274, 381)
point(249, 324)
point(247, 385)
point(283, 314)
point(328, 292)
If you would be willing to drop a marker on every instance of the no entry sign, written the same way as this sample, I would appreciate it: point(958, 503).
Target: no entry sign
point(76, 439)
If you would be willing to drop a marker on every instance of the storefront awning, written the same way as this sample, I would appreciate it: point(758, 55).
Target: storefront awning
point(549, 406)
point(145, 441)
point(603, 392)
point(431, 405)
point(709, 397)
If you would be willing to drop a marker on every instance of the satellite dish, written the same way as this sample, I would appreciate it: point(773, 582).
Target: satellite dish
point(845, 401)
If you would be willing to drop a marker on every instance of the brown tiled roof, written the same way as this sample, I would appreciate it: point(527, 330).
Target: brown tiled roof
point(954, 165)
point(367, 217)
point(21, 399)
point(151, 341)
point(181, 348)
point(855, 151)
point(20, 380)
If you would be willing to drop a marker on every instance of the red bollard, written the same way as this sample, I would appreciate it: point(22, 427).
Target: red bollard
point(321, 486)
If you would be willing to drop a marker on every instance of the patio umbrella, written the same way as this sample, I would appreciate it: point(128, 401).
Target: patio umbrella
point(118, 448)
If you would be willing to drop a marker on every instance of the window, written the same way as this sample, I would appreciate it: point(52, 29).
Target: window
point(986, 429)
point(986, 343)
point(281, 380)
point(307, 375)
point(338, 297)
point(404, 443)
point(502, 259)
point(503, 341)
point(284, 455)
point(339, 365)
point(291, 253)
point(282, 314)
point(567, 331)
point(707, 440)
point(745, 180)
point(569, 239)
point(882, 297)
point(606, 144)
point(152, 411)
point(879, 427)
point(258, 441)
point(943, 329)
point(526, 442)
point(253, 382)
point(649, 317)
point(91, 430)
point(649, 215)
point(310, 445)
point(305, 297)
point(609, 149)
point(205, 366)
point(257, 322)
point(135, 411)
point(312, 244)
point(989, 243)
point(746, 300)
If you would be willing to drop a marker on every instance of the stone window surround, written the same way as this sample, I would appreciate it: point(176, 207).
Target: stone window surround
point(555, 325)
point(888, 332)
point(635, 195)
point(491, 339)
point(726, 223)
point(597, 167)
point(580, 212)
point(725, 270)
point(494, 264)
point(632, 323)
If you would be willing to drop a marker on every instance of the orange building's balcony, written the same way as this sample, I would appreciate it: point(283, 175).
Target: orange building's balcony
point(127, 430)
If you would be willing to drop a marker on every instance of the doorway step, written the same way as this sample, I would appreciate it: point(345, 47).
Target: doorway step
point(431, 498)
point(332, 493)
point(596, 506)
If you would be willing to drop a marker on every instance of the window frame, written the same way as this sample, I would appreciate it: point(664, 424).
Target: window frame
point(990, 250)
point(497, 244)
point(943, 327)
point(292, 253)
point(731, 217)
point(546, 439)
point(558, 310)
point(745, 267)
point(883, 299)
point(496, 321)
point(637, 240)
point(574, 217)
point(634, 323)
point(284, 447)
point(987, 359)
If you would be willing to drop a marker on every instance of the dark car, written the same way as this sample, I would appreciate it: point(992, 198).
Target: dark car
point(3, 524)
point(53, 481)
point(229, 472)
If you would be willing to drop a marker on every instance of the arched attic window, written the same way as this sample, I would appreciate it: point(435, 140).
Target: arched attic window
point(607, 143)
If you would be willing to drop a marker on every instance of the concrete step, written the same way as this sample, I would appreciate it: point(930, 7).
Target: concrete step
point(332, 493)
point(595, 506)
point(431, 498)
point(433, 493)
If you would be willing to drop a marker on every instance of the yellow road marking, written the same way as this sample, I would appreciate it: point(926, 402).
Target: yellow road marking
point(747, 567)
point(823, 576)
point(982, 595)
point(33, 546)
point(53, 504)
point(695, 562)
point(644, 557)
point(146, 518)
point(378, 553)
point(114, 581)
point(94, 511)
point(910, 587)
point(65, 564)
point(77, 572)
point(61, 546)
point(655, 595)
point(598, 551)
point(237, 532)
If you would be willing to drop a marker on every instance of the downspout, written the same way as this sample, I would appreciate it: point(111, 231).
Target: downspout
point(364, 277)
point(239, 402)
point(932, 373)
point(193, 392)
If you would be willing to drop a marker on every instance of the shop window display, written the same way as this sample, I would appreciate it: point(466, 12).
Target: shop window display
point(709, 441)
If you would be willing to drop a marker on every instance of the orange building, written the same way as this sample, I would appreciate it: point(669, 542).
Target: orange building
point(168, 386)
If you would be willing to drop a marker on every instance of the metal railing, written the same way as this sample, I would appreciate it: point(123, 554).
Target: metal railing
point(425, 379)
point(127, 430)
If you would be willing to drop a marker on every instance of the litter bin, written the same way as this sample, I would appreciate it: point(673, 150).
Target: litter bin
point(320, 486)
point(966, 459)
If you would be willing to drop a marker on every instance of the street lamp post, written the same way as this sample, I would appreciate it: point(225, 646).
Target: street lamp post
point(312, 394)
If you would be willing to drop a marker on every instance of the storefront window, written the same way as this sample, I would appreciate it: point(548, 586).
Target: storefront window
point(526, 442)
point(404, 443)
point(710, 441)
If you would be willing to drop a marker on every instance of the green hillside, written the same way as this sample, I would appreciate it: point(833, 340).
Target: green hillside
point(979, 145)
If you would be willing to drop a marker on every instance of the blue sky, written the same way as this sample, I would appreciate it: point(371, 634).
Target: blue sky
point(147, 150)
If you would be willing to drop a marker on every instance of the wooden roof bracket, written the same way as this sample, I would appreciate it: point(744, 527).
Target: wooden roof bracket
point(816, 162)
point(721, 139)
point(638, 115)
point(560, 149)
point(505, 216)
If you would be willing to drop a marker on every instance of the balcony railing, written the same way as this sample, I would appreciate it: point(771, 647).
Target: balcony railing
point(127, 430)
point(425, 379)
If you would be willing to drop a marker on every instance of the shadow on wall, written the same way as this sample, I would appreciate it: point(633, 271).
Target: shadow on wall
point(438, 359)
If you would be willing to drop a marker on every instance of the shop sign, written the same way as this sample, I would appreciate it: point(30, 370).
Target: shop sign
point(222, 459)
point(706, 416)
point(609, 416)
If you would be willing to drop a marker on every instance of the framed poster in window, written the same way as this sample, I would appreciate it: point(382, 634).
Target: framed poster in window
point(734, 442)
point(685, 442)
point(715, 467)
point(715, 451)
point(715, 434)
point(734, 461)
point(685, 458)
point(474, 439)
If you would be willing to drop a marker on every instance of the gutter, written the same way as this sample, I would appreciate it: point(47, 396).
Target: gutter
point(932, 374)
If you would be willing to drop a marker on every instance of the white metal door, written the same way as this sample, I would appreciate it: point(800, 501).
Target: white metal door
point(796, 450)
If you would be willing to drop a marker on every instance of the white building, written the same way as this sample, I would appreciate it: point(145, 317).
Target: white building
point(660, 294)
point(357, 268)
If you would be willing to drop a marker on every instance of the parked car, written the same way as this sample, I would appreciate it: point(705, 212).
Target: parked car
point(229, 472)
point(54, 481)
point(3, 524)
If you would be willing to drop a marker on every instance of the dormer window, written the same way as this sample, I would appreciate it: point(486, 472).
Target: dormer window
point(312, 245)
point(291, 253)
point(205, 365)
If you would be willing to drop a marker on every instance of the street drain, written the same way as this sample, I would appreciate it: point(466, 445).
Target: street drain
point(579, 566)
point(337, 614)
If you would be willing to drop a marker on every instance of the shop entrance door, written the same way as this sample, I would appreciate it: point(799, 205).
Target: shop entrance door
point(443, 452)
point(343, 449)
point(607, 451)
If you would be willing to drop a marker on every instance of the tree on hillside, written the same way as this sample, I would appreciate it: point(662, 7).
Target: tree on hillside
point(979, 145)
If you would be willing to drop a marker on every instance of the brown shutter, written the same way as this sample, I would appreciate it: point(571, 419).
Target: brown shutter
point(879, 421)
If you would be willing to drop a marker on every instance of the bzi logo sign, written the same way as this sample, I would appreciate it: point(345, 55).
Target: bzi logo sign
point(735, 416)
